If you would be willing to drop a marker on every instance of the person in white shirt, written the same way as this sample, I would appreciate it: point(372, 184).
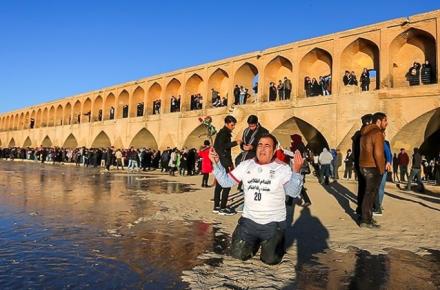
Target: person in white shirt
point(266, 181)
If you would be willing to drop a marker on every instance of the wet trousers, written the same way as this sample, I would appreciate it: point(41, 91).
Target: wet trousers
point(249, 236)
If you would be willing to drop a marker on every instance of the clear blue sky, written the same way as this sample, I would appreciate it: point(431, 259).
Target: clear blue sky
point(55, 49)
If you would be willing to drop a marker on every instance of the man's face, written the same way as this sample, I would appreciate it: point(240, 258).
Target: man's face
point(230, 126)
point(382, 123)
point(252, 126)
point(265, 150)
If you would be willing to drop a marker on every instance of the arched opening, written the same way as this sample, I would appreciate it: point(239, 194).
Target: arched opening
point(51, 121)
point(27, 120)
point(97, 114)
point(109, 107)
point(101, 141)
point(423, 133)
point(246, 78)
point(218, 84)
point(44, 117)
point(27, 142)
point(137, 103)
point(173, 89)
point(193, 93)
point(144, 138)
point(32, 120)
point(275, 72)
point(197, 137)
point(11, 143)
point(315, 64)
point(67, 114)
point(311, 137)
point(70, 142)
point(46, 142)
point(87, 111)
point(359, 55)
point(76, 113)
point(123, 105)
point(154, 102)
point(411, 46)
point(59, 116)
point(10, 122)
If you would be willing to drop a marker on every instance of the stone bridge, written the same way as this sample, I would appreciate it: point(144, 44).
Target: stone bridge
point(388, 49)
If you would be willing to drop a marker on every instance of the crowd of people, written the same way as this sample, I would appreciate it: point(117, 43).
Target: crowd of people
point(217, 100)
point(424, 74)
point(350, 79)
point(282, 90)
point(314, 88)
point(171, 160)
point(175, 104)
point(196, 102)
point(156, 107)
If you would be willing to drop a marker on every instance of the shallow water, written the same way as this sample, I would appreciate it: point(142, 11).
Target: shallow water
point(359, 269)
point(63, 227)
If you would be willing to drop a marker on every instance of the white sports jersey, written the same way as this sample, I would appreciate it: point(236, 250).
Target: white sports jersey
point(264, 195)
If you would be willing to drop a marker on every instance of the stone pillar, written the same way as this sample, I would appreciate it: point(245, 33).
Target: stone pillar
point(261, 81)
point(162, 98)
point(146, 108)
point(231, 85)
point(437, 42)
point(336, 67)
point(297, 84)
point(206, 94)
point(384, 60)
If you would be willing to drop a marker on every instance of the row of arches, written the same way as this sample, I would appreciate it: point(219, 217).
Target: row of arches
point(409, 46)
point(422, 132)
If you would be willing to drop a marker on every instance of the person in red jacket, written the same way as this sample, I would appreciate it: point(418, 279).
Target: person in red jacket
point(206, 162)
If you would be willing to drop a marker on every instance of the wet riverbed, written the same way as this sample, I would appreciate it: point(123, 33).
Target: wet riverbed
point(63, 227)
point(67, 227)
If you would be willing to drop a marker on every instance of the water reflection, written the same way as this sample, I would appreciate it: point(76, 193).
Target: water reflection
point(66, 227)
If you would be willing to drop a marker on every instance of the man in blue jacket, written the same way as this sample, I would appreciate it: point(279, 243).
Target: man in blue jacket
point(388, 161)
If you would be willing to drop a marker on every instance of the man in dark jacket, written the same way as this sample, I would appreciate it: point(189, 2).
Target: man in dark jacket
point(415, 170)
point(222, 146)
point(109, 160)
point(356, 149)
point(250, 138)
point(372, 164)
point(236, 95)
point(403, 164)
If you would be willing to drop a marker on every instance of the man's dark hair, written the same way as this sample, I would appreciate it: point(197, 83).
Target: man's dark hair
point(366, 119)
point(274, 139)
point(252, 119)
point(378, 116)
point(230, 119)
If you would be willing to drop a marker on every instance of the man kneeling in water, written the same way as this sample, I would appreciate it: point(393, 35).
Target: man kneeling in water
point(266, 181)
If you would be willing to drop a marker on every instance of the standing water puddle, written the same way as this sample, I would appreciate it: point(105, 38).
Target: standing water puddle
point(67, 227)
